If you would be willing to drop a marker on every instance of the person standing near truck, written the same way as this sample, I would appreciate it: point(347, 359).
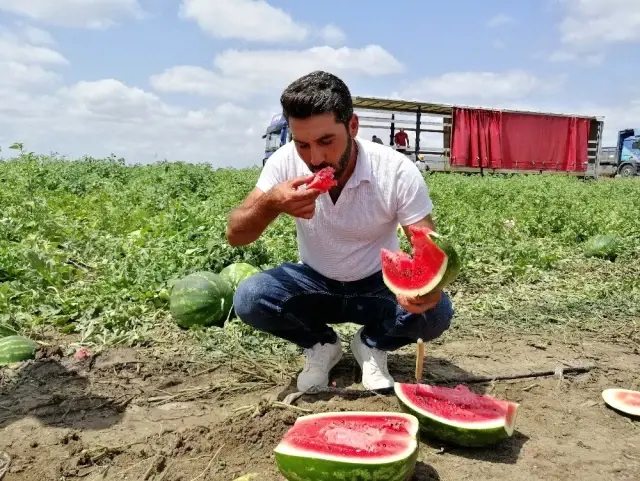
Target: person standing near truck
point(401, 140)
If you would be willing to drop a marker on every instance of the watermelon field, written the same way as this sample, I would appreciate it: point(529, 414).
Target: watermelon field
point(547, 316)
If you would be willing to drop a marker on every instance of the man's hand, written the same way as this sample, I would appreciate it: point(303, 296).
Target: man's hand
point(286, 198)
point(419, 305)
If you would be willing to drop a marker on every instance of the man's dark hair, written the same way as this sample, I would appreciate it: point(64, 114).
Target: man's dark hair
point(317, 93)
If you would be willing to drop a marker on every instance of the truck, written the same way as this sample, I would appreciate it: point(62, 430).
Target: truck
point(458, 138)
point(623, 159)
point(276, 135)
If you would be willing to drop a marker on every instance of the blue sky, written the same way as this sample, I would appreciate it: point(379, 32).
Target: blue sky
point(198, 80)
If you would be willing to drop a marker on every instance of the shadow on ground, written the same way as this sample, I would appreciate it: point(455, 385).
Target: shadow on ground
point(506, 452)
point(347, 376)
point(56, 394)
point(425, 472)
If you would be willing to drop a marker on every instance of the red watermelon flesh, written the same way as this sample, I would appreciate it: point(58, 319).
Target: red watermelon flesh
point(323, 180)
point(361, 435)
point(457, 404)
point(415, 275)
point(350, 445)
point(623, 400)
point(458, 415)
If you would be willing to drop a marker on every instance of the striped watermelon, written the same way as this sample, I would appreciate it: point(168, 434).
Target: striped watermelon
point(458, 416)
point(355, 446)
point(201, 299)
point(234, 274)
point(16, 349)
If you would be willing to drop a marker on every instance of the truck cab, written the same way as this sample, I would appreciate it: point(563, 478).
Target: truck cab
point(276, 136)
point(628, 152)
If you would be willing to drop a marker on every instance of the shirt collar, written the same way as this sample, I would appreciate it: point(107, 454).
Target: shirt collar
point(362, 172)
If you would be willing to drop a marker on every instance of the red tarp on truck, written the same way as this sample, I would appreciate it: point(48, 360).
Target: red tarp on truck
point(509, 140)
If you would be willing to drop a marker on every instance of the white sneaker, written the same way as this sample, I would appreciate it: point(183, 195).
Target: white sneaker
point(373, 363)
point(321, 358)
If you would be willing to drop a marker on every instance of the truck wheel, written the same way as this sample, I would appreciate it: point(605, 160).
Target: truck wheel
point(627, 171)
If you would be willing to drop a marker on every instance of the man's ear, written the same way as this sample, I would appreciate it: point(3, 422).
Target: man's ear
point(354, 125)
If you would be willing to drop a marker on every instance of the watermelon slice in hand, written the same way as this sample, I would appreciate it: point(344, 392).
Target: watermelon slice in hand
point(623, 400)
point(349, 445)
point(417, 275)
point(323, 180)
point(458, 416)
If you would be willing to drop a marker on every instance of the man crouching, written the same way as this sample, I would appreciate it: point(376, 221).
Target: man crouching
point(340, 234)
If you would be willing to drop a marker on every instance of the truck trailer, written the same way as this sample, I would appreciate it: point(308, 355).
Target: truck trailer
point(475, 139)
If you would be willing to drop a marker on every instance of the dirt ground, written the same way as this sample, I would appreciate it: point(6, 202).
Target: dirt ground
point(141, 415)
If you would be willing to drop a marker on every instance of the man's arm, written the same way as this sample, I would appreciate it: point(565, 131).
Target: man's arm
point(424, 222)
point(248, 221)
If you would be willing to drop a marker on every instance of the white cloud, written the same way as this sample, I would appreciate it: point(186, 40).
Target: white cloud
point(12, 48)
point(591, 23)
point(94, 14)
point(462, 87)
point(20, 75)
point(333, 35)
point(37, 36)
point(253, 20)
point(592, 60)
point(243, 74)
point(25, 65)
point(107, 116)
point(499, 20)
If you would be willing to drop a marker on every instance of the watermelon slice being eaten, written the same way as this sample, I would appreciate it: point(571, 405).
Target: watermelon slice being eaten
point(623, 400)
point(357, 446)
point(323, 180)
point(416, 275)
point(458, 415)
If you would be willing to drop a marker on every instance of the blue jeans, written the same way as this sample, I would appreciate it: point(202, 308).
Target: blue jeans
point(296, 303)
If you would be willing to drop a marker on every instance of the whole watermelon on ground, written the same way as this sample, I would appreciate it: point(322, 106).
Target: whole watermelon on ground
point(355, 446)
point(235, 273)
point(16, 349)
point(458, 415)
point(604, 246)
point(201, 299)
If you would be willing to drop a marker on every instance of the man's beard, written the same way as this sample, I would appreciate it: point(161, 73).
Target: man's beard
point(342, 163)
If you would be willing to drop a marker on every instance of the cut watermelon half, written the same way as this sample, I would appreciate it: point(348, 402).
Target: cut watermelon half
point(349, 445)
point(623, 400)
point(416, 275)
point(457, 415)
point(323, 180)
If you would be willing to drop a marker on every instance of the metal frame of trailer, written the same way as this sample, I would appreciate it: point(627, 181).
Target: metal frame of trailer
point(438, 118)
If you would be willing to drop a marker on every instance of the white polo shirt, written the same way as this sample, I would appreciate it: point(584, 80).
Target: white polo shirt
point(343, 241)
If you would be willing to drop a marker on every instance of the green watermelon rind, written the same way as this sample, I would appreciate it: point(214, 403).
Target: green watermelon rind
point(305, 465)
point(235, 273)
point(447, 274)
point(201, 299)
point(16, 349)
point(453, 263)
point(456, 432)
point(604, 246)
